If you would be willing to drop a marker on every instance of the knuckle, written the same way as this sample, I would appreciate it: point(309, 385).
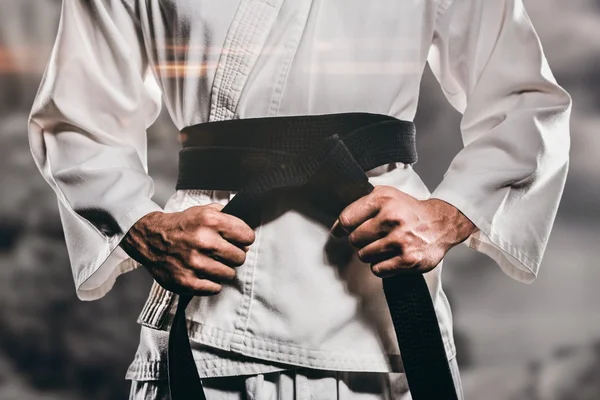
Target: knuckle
point(206, 242)
point(210, 217)
point(395, 240)
point(374, 202)
point(382, 191)
point(195, 261)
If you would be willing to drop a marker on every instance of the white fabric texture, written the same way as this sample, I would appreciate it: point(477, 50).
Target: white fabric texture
point(211, 61)
point(298, 384)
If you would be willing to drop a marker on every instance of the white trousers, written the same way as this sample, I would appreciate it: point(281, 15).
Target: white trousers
point(297, 384)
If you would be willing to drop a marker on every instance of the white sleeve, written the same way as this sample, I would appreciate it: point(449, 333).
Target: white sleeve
point(87, 132)
point(509, 177)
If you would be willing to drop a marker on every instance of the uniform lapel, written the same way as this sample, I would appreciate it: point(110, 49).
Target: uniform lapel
point(245, 39)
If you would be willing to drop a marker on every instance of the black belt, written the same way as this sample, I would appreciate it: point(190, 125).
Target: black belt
point(324, 159)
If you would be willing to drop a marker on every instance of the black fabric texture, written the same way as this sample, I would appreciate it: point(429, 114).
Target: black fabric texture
point(323, 158)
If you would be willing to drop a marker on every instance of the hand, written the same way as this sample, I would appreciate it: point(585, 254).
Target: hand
point(395, 232)
point(190, 252)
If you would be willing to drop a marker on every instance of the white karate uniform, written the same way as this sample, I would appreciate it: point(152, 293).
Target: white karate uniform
point(293, 305)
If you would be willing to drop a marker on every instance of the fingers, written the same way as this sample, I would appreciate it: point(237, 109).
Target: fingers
point(207, 267)
point(211, 244)
point(203, 275)
point(237, 231)
point(199, 250)
point(367, 207)
point(368, 232)
point(355, 214)
point(199, 287)
point(388, 256)
point(396, 265)
point(379, 251)
point(230, 227)
point(184, 277)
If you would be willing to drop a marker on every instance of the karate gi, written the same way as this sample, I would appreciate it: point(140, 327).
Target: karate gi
point(306, 304)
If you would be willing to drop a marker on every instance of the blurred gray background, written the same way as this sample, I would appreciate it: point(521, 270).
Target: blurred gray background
point(516, 341)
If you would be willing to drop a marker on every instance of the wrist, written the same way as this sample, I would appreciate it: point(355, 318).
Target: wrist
point(460, 227)
point(134, 242)
point(464, 226)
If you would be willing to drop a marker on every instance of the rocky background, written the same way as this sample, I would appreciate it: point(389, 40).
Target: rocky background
point(516, 342)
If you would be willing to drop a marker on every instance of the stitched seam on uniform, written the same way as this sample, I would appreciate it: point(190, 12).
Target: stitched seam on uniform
point(156, 369)
point(249, 23)
point(248, 290)
point(262, 18)
point(221, 104)
point(156, 306)
point(282, 356)
point(255, 264)
point(219, 81)
point(291, 49)
point(285, 352)
point(147, 305)
point(248, 29)
point(243, 311)
point(147, 312)
point(306, 395)
point(162, 305)
point(200, 327)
